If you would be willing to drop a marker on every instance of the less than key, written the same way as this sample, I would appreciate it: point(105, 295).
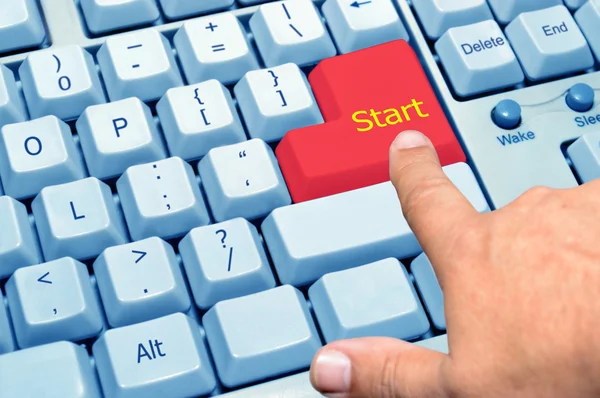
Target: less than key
point(367, 98)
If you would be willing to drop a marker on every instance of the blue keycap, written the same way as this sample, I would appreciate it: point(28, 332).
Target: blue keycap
point(19, 246)
point(60, 81)
point(588, 19)
point(478, 58)
point(21, 25)
point(177, 9)
point(214, 47)
point(53, 301)
point(580, 97)
point(361, 24)
point(165, 356)
point(585, 155)
point(243, 180)
point(291, 31)
point(376, 299)
point(300, 385)
point(224, 261)
point(36, 154)
point(507, 10)
point(7, 342)
point(78, 219)
point(276, 100)
point(161, 199)
point(507, 114)
point(197, 118)
point(138, 64)
point(12, 107)
point(140, 281)
point(430, 290)
point(57, 370)
point(118, 135)
point(309, 239)
point(101, 16)
point(549, 43)
point(437, 16)
point(262, 335)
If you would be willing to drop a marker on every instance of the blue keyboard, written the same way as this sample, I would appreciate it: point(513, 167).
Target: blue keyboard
point(149, 242)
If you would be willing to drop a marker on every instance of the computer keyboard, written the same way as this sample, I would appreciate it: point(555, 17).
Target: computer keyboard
point(196, 193)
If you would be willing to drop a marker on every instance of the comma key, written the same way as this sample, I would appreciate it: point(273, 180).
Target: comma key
point(362, 118)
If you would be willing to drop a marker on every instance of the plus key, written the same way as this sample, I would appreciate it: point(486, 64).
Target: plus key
point(366, 98)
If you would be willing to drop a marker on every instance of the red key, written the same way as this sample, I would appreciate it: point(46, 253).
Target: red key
point(366, 98)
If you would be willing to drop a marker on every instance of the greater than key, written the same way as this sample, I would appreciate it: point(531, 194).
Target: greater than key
point(367, 97)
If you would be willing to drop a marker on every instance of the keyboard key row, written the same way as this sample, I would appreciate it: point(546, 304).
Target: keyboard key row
point(310, 239)
point(118, 135)
point(548, 43)
point(80, 218)
point(103, 16)
point(64, 81)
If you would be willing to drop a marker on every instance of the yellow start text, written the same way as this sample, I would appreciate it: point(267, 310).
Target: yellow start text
point(389, 117)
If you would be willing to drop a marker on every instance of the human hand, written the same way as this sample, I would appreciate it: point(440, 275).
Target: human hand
point(521, 292)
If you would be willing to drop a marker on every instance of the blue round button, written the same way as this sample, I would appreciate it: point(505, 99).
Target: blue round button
point(507, 114)
point(580, 97)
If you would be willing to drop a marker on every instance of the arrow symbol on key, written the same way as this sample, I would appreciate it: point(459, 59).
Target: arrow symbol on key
point(141, 253)
point(357, 4)
point(42, 280)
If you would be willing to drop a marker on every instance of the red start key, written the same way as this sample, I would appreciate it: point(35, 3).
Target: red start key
point(367, 98)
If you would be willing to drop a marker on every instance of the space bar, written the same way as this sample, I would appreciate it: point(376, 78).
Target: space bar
point(310, 239)
point(298, 386)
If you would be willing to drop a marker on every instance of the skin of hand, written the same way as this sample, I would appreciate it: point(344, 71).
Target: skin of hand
point(521, 289)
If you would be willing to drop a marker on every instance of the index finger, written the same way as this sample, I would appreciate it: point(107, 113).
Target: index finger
point(432, 205)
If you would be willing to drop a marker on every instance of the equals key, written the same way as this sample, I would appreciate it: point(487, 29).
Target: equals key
point(218, 47)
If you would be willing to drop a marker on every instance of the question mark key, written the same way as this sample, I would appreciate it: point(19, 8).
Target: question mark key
point(219, 273)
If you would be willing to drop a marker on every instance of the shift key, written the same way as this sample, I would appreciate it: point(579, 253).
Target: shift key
point(366, 97)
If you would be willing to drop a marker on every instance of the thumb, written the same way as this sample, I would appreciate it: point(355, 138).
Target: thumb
point(378, 367)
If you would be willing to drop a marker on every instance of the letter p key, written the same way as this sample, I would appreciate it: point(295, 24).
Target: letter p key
point(119, 124)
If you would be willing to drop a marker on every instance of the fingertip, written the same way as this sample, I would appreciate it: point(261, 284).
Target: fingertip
point(330, 372)
point(410, 139)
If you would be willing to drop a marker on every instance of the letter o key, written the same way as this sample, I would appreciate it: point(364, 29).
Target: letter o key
point(27, 146)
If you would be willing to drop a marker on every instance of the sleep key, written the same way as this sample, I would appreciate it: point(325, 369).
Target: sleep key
point(478, 58)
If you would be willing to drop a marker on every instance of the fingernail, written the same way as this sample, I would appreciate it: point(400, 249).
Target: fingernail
point(410, 139)
point(332, 373)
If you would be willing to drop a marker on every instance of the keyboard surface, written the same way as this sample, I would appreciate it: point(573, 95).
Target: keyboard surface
point(194, 195)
